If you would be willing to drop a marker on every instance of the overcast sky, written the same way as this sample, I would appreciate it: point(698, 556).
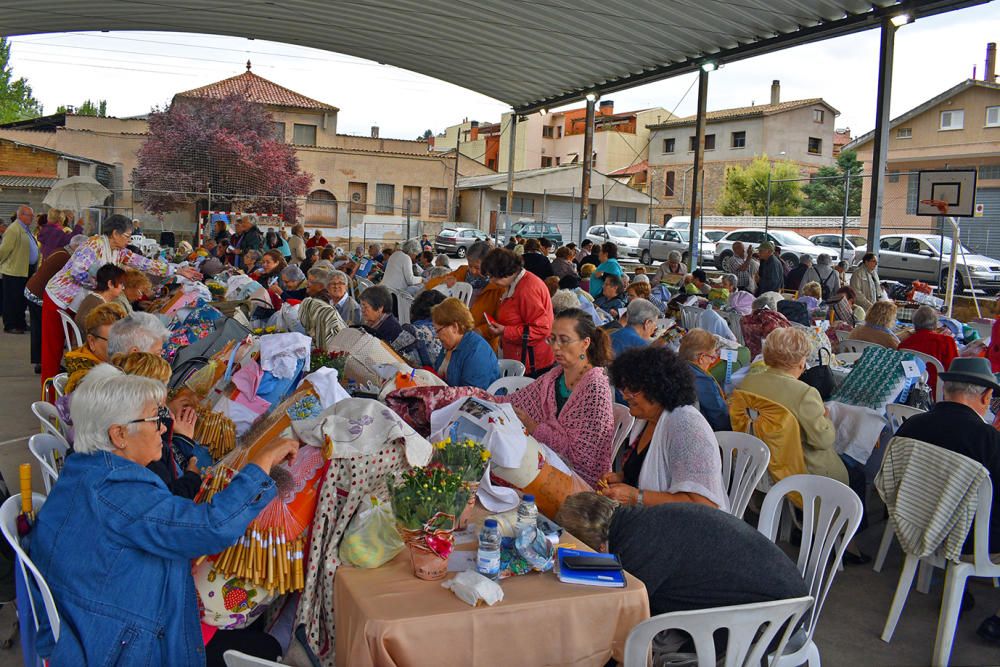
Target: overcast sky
point(137, 71)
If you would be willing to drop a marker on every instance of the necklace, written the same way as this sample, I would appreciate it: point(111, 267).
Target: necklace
point(572, 380)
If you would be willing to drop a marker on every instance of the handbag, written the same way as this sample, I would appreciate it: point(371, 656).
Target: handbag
point(820, 376)
point(527, 352)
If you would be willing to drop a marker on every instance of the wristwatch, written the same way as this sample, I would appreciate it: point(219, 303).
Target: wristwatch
point(638, 499)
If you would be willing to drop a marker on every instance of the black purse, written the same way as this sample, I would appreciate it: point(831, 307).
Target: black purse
point(820, 376)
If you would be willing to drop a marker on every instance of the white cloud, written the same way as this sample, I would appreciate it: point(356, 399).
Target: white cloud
point(136, 71)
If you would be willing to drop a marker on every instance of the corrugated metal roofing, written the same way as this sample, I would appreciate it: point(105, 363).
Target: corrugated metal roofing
point(13, 181)
point(526, 53)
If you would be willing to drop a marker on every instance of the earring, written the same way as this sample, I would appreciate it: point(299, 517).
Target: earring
point(582, 357)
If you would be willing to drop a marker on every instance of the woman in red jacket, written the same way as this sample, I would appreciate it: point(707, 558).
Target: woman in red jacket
point(524, 316)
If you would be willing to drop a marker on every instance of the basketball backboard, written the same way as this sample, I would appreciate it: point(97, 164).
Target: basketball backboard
point(955, 187)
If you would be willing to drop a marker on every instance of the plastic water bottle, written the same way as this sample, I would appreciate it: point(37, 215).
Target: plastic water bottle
point(527, 514)
point(488, 554)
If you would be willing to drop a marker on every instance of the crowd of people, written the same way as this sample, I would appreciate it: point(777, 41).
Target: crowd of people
point(671, 344)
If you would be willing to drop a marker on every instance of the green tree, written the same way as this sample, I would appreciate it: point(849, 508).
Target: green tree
point(745, 191)
point(88, 108)
point(425, 136)
point(825, 193)
point(16, 101)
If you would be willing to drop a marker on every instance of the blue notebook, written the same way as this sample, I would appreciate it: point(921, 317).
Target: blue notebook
point(606, 578)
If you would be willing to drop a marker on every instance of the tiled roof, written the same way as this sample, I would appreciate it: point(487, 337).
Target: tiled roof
point(737, 113)
point(18, 181)
point(257, 89)
point(631, 169)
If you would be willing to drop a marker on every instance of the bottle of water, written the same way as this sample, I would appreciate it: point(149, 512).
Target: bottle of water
point(488, 555)
point(527, 514)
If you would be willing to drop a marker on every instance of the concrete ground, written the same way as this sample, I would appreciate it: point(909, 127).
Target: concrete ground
point(848, 632)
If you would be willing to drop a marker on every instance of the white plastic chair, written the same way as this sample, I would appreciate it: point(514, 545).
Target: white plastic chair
point(831, 514)
point(750, 630)
point(848, 357)
point(691, 317)
point(444, 289)
point(511, 368)
point(71, 333)
point(47, 448)
point(624, 421)
point(744, 462)
point(462, 292)
point(854, 346)
point(511, 384)
point(48, 415)
point(9, 512)
point(931, 361)
point(403, 301)
point(841, 335)
point(237, 659)
point(59, 383)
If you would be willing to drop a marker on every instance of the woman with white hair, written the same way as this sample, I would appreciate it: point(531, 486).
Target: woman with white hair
point(399, 269)
point(115, 546)
point(139, 332)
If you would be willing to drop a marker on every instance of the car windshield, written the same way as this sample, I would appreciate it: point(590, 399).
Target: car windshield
point(790, 238)
point(858, 240)
point(622, 232)
point(935, 242)
point(686, 236)
point(448, 232)
point(714, 235)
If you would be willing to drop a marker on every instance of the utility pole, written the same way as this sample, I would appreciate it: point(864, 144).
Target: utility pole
point(699, 167)
point(454, 182)
point(588, 159)
point(510, 174)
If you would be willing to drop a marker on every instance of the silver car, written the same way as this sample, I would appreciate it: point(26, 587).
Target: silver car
point(792, 244)
point(855, 247)
point(908, 257)
point(625, 238)
point(658, 242)
point(457, 241)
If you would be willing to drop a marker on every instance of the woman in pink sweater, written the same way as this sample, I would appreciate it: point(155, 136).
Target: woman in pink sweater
point(569, 407)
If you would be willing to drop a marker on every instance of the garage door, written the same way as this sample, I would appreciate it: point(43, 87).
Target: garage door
point(567, 216)
point(982, 235)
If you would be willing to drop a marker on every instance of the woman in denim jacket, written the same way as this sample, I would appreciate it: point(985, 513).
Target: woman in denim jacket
point(115, 546)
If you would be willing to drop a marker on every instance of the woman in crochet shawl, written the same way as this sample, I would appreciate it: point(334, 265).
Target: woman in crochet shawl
point(569, 407)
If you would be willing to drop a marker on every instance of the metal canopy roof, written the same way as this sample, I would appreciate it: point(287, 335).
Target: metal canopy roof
point(527, 53)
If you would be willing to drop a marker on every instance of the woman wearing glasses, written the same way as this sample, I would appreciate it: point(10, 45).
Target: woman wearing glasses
point(97, 328)
point(568, 408)
point(115, 546)
point(466, 359)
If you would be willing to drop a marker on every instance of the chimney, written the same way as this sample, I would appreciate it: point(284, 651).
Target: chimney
point(775, 91)
point(374, 131)
point(991, 63)
point(607, 107)
point(474, 133)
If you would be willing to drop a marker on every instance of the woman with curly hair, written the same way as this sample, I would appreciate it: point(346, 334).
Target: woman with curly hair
point(673, 456)
point(569, 408)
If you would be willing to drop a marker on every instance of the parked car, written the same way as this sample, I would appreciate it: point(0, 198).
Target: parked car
point(792, 244)
point(625, 238)
point(457, 241)
point(714, 235)
point(537, 230)
point(907, 257)
point(657, 243)
point(855, 246)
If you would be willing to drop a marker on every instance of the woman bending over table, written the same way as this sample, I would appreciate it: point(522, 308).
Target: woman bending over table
point(569, 407)
point(115, 546)
point(673, 456)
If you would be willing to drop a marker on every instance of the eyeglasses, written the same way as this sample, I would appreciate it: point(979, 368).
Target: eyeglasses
point(555, 342)
point(162, 416)
point(93, 335)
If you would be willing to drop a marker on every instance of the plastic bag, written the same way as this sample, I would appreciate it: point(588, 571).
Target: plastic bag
point(371, 538)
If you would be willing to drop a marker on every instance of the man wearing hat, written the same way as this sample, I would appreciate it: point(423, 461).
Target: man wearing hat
point(956, 424)
point(771, 274)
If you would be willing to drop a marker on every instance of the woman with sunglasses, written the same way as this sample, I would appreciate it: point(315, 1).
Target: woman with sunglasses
point(569, 408)
point(115, 546)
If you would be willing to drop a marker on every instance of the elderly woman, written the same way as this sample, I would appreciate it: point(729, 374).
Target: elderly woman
point(34, 292)
point(640, 325)
point(673, 456)
point(609, 266)
point(762, 320)
point(51, 233)
point(297, 244)
point(785, 353)
point(132, 540)
point(523, 319)
point(293, 283)
point(139, 332)
point(466, 359)
point(399, 269)
point(926, 339)
point(671, 271)
point(376, 314)
point(417, 343)
point(844, 307)
point(97, 329)
point(137, 286)
point(345, 304)
point(563, 264)
point(811, 295)
point(68, 287)
point(641, 289)
point(569, 407)
point(564, 299)
point(274, 241)
point(611, 300)
point(877, 327)
point(700, 349)
point(109, 283)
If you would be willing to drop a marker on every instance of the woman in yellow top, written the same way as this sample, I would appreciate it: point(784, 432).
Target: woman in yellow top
point(94, 350)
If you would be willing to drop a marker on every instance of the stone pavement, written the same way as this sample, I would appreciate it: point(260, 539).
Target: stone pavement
point(848, 632)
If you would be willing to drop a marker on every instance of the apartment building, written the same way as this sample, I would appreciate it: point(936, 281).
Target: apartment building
point(798, 131)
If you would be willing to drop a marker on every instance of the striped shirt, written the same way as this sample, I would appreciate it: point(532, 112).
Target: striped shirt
point(744, 279)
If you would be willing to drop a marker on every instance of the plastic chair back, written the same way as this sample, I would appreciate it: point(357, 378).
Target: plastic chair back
point(744, 462)
point(237, 659)
point(690, 317)
point(71, 333)
point(9, 512)
point(46, 448)
point(850, 345)
point(403, 301)
point(831, 514)
point(932, 361)
point(462, 292)
point(750, 630)
point(363, 284)
point(59, 383)
point(50, 420)
point(898, 413)
point(510, 384)
point(624, 421)
point(511, 368)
